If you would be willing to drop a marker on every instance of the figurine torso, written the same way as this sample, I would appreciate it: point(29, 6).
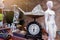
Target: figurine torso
point(50, 16)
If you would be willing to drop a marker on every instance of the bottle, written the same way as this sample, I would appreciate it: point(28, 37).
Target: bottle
point(13, 27)
point(9, 25)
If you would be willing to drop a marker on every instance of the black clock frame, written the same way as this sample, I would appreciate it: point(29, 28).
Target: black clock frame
point(39, 35)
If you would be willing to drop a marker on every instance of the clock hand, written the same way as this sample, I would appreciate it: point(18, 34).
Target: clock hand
point(33, 30)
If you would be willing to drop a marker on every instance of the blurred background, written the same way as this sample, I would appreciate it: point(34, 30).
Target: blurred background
point(28, 5)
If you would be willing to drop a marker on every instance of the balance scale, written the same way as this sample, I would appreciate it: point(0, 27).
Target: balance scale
point(34, 29)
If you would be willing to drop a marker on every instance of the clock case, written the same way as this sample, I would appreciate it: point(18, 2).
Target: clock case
point(37, 36)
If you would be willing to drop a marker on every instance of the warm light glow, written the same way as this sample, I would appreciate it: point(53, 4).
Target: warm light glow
point(1, 1)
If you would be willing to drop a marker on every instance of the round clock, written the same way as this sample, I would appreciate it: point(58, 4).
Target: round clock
point(34, 29)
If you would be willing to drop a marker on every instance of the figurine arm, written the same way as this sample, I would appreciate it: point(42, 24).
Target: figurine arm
point(46, 18)
point(55, 22)
point(46, 22)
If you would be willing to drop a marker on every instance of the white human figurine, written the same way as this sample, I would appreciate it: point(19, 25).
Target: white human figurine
point(50, 21)
point(16, 15)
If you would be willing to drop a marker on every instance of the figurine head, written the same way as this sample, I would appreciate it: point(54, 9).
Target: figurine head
point(49, 4)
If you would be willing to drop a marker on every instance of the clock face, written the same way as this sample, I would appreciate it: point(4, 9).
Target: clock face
point(33, 29)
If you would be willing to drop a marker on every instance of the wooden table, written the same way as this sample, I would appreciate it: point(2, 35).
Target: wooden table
point(18, 38)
